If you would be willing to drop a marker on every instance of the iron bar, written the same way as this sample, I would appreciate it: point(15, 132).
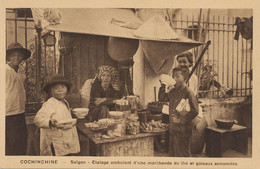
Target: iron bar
point(36, 67)
point(228, 55)
point(242, 62)
point(45, 63)
point(246, 75)
point(250, 82)
point(220, 23)
point(223, 56)
point(26, 61)
point(213, 62)
point(222, 30)
point(237, 69)
point(54, 48)
point(218, 51)
point(20, 19)
point(38, 73)
point(233, 55)
point(15, 25)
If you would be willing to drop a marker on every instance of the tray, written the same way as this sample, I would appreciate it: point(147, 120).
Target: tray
point(154, 131)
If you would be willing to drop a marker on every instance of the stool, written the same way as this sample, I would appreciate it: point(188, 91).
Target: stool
point(219, 140)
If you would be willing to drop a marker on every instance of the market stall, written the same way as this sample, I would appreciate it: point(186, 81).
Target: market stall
point(121, 134)
point(129, 145)
point(112, 36)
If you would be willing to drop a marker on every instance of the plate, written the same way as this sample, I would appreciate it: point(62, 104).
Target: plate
point(68, 121)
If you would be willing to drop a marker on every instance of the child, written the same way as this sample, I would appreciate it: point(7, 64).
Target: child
point(180, 121)
point(57, 138)
point(186, 59)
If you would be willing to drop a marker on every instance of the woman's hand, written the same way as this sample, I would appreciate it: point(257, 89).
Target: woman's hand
point(99, 101)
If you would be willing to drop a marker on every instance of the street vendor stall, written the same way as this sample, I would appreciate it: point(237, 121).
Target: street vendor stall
point(112, 36)
point(121, 134)
point(141, 144)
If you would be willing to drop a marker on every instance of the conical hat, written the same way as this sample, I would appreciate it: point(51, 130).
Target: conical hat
point(156, 28)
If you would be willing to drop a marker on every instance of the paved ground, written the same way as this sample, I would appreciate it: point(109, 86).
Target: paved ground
point(228, 153)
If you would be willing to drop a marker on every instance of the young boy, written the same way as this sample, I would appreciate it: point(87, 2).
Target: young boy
point(16, 131)
point(186, 59)
point(57, 138)
point(180, 121)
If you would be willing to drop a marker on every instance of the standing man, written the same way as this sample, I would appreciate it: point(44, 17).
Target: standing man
point(15, 126)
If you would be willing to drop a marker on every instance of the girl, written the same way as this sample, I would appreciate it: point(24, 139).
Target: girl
point(57, 138)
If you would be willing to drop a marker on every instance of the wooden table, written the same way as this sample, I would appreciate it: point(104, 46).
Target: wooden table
point(130, 145)
point(219, 140)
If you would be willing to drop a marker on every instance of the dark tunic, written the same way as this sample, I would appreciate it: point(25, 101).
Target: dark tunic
point(180, 133)
point(101, 111)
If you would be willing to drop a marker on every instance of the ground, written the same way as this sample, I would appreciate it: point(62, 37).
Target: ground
point(227, 154)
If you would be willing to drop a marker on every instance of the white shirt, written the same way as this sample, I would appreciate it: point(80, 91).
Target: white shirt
point(15, 93)
point(193, 84)
point(64, 141)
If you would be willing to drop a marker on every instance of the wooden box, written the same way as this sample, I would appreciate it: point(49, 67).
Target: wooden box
point(219, 140)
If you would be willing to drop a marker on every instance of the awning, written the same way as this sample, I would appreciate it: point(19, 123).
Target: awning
point(122, 26)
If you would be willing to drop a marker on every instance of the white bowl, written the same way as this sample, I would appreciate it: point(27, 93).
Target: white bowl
point(68, 121)
point(116, 114)
point(168, 80)
point(80, 112)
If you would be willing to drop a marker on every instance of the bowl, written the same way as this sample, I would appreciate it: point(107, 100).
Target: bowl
point(80, 112)
point(168, 80)
point(116, 114)
point(224, 123)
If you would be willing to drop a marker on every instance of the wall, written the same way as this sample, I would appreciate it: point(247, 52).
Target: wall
point(225, 108)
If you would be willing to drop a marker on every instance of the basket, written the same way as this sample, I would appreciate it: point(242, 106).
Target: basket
point(224, 124)
point(155, 107)
point(143, 116)
point(155, 117)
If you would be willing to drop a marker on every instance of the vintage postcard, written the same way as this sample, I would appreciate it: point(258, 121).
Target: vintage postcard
point(129, 84)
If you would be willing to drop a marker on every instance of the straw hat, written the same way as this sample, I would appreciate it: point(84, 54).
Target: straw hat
point(17, 47)
point(57, 79)
point(122, 49)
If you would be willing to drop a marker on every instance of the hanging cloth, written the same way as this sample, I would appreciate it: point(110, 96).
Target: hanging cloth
point(245, 27)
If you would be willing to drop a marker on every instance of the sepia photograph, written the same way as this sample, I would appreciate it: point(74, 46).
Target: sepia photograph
point(128, 82)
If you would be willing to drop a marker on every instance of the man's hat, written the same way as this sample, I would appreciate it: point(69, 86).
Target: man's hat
point(57, 79)
point(17, 47)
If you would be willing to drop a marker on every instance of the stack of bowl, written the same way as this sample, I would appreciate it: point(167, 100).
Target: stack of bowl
point(80, 113)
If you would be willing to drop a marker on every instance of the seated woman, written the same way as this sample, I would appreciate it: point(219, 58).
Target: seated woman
point(104, 91)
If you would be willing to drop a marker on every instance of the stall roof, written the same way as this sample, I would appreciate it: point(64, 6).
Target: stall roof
point(97, 21)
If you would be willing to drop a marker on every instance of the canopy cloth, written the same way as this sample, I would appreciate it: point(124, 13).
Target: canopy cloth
point(125, 30)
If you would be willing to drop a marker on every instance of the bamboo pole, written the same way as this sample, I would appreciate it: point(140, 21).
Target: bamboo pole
point(38, 70)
